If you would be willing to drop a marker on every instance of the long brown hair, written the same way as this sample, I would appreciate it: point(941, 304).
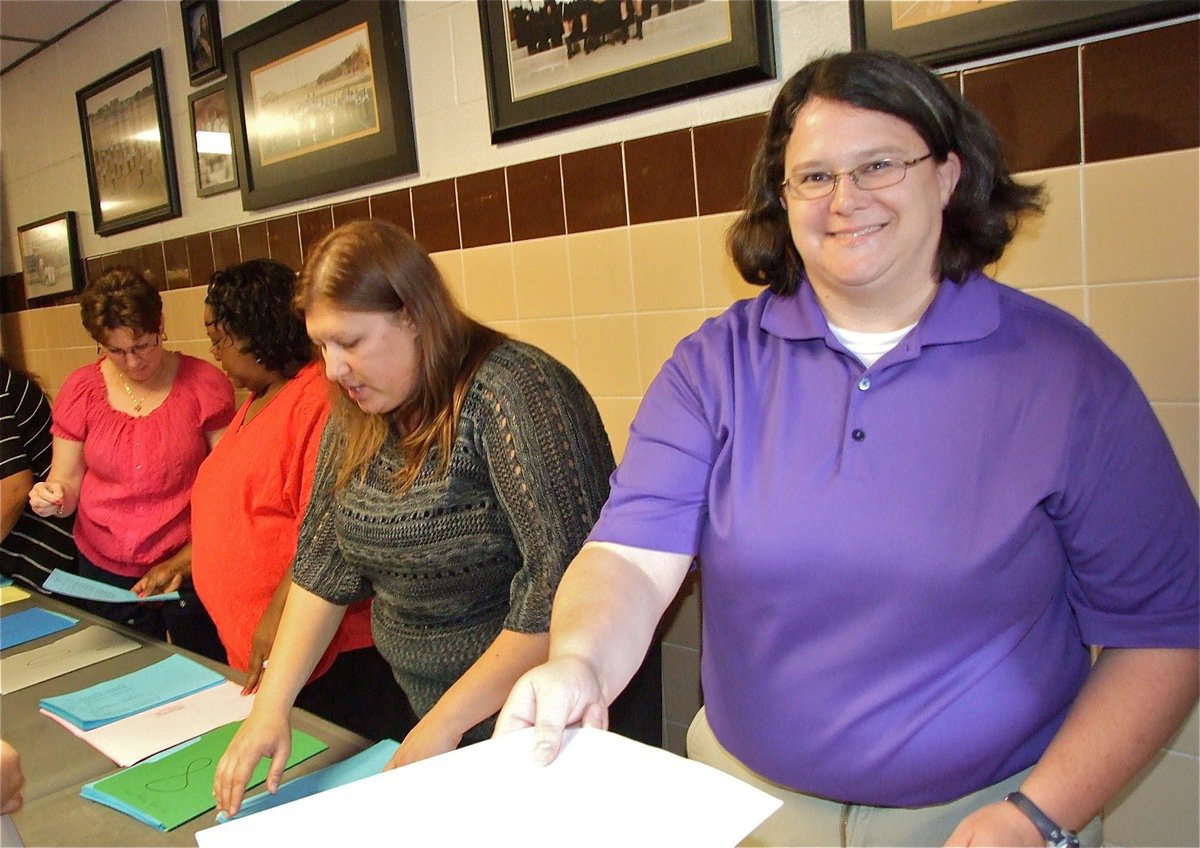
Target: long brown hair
point(374, 266)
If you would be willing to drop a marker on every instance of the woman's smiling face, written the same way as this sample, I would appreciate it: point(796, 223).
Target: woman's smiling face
point(865, 244)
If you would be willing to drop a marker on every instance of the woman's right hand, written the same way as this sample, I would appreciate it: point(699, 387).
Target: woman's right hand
point(47, 498)
point(550, 698)
point(261, 735)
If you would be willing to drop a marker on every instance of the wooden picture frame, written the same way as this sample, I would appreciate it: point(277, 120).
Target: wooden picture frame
point(320, 100)
point(50, 258)
point(127, 147)
point(202, 40)
point(562, 65)
point(940, 34)
point(212, 141)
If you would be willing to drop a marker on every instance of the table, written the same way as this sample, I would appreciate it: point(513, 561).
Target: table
point(57, 764)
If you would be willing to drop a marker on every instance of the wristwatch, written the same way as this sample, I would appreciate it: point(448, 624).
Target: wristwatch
point(1054, 835)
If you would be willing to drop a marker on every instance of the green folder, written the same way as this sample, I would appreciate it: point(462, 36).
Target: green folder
point(176, 786)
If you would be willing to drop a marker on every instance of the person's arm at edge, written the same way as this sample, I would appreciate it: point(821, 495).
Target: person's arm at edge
point(14, 495)
point(58, 494)
point(1132, 702)
point(604, 615)
point(305, 631)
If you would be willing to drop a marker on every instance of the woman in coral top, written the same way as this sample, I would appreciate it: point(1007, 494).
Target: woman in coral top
point(130, 431)
point(251, 493)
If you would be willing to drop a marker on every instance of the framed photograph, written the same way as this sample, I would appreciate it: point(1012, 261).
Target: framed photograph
point(127, 147)
point(212, 141)
point(50, 257)
point(939, 33)
point(320, 100)
point(202, 38)
point(552, 64)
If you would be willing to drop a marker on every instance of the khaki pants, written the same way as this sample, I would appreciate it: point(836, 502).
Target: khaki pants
point(805, 820)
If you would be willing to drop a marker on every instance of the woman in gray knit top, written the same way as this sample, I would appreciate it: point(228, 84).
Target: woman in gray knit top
point(458, 475)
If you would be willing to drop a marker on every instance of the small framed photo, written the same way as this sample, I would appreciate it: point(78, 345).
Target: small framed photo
point(202, 38)
point(216, 172)
point(127, 147)
point(50, 258)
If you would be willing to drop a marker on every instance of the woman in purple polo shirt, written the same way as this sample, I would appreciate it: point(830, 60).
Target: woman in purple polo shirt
point(916, 498)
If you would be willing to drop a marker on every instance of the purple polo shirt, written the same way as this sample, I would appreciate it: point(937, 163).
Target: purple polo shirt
point(902, 565)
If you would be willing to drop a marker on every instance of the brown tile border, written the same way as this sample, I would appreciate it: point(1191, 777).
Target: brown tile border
point(435, 216)
point(535, 199)
point(594, 189)
point(660, 179)
point(724, 153)
point(483, 208)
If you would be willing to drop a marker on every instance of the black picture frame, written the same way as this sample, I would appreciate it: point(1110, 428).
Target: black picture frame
point(50, 258)
point(583, 81)
point(977, 33)
point(362, 128)
point(202, 40)
point(127, 147)
point(212, 140)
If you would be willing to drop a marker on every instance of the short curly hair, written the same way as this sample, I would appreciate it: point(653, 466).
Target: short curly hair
point(253, 303)
point(120, 297)
point(984, 210)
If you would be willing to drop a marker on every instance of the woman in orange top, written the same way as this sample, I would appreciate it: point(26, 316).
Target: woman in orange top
point(251, 492)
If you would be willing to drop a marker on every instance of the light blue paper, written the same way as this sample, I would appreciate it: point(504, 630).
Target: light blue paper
point(64, 583)
point(161, 683)
point(30, 624)
point(363, 764)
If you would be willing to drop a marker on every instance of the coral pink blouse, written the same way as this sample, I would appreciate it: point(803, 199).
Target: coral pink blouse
point(135, 501)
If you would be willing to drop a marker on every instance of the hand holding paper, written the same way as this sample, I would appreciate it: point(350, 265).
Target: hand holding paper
point(263, 734)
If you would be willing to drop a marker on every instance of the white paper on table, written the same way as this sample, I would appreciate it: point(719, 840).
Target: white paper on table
point(603, 790)
point(138, 736)
point(87, 646)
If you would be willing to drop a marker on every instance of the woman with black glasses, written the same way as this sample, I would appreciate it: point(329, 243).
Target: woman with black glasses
point(130, 431)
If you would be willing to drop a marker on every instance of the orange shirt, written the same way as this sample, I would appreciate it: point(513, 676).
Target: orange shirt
point(247, 504)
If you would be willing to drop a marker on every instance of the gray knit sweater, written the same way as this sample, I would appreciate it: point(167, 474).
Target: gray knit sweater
point(464, 554)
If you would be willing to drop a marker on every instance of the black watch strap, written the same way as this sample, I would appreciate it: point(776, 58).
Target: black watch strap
point(1057, 836)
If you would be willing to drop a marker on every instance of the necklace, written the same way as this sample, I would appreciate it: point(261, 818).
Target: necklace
point(134, 399)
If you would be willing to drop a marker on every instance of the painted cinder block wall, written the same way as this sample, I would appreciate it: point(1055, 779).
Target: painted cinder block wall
point(603, 244)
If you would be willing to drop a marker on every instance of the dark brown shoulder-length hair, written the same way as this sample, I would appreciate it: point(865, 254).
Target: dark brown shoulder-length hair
point(984, 210)
point(120, 297)
point(374, 266)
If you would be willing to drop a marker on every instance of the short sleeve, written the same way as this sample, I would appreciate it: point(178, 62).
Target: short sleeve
point(660, 491)
point(319, 566)
point(214, 397)
point(1131, 529)
point(70, 411)
point(549, 459)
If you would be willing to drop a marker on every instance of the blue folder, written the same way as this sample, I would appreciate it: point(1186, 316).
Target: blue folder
point(30, 624)
point(166, 681)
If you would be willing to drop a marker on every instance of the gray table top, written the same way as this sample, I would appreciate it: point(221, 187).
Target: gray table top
point(57, 764)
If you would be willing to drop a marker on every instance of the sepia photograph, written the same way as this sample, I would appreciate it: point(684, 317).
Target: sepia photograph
point(127, 148)
point(202, 36)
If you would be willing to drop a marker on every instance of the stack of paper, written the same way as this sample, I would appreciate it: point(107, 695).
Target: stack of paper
point(165, 681)
point(176, 786)
point(30, 624)
point(73, 651)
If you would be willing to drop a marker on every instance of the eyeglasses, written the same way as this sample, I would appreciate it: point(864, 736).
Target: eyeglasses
point(223, 343)
point(139, 350)
point(869, 176)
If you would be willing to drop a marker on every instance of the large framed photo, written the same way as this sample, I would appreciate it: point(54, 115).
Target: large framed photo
point(212, 141)
point(940, 33)
point(552, 64)
point(202, 37)
point(50, 257)
point(320, 99)
point(127, 147)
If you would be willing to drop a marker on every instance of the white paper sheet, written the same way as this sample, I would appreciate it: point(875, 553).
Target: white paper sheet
point(132, 739)
point(603, 790)
point(71, 652)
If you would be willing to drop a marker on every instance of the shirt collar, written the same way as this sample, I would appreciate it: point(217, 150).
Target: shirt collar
point(960, 312)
